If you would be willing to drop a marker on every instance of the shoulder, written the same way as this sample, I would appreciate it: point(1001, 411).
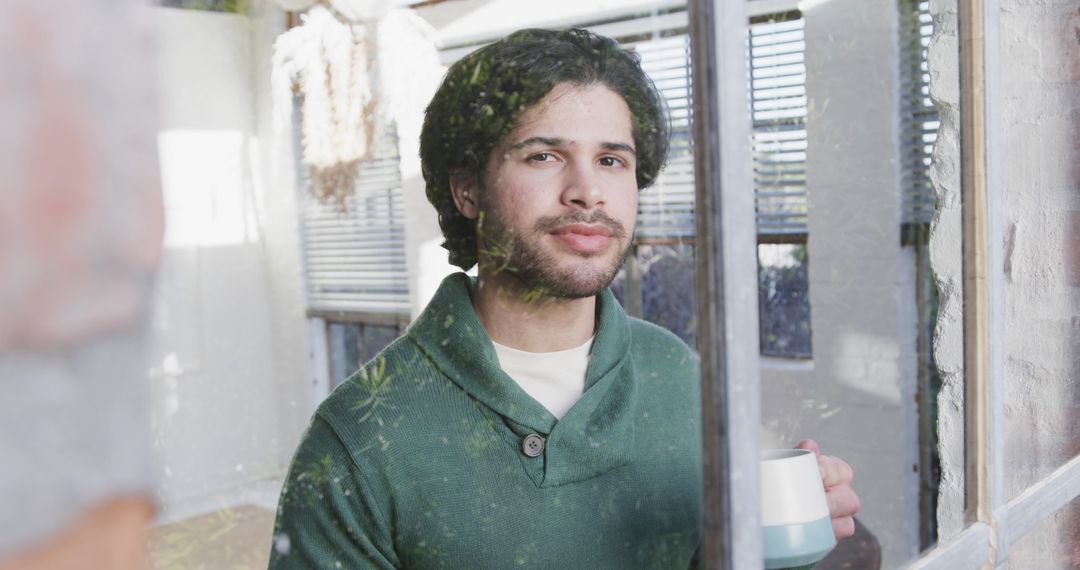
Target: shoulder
point(668, 374)
point(653, 341)
point(371, 402)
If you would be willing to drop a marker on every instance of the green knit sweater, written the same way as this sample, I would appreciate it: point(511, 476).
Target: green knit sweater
point(423, 458)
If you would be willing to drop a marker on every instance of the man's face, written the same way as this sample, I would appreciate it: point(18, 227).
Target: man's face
point(559, 198)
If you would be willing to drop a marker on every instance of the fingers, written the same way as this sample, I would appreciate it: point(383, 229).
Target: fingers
point(837, 476)
point(809, 444)
point(835, 471)
point(843, 527)
point(843, 502)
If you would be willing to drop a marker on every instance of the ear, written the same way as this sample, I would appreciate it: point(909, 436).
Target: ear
point(463, 188)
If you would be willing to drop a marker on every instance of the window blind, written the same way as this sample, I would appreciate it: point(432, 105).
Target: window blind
point(778, 107)
point(665, 209)
point(919, 117)
point(354, 257)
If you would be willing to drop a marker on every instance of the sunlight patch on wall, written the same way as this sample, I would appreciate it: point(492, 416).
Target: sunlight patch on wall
point(207, 183)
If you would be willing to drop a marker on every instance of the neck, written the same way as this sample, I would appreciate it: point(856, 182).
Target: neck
point(519, 320)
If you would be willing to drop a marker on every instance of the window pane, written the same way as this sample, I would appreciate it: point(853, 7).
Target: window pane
point(854, 300)
point(663, 280)
point(784, 300)
point(667, 291)
point(354, 344)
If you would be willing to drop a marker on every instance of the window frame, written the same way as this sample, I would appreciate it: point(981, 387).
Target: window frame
point(726, 286)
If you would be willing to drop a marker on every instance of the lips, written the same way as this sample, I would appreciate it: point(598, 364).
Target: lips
point(584, 238)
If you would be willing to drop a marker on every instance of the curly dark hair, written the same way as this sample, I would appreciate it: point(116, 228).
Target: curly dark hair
point(484, 93)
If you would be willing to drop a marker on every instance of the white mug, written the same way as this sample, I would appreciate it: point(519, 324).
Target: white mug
point(797, 527)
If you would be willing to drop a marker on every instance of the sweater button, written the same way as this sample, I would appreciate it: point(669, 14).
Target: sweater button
point(532, 445)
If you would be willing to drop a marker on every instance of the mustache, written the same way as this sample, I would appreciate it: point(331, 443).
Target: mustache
point(550, 223)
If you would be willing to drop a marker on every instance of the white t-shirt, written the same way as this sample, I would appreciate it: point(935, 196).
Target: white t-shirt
point(555, 379)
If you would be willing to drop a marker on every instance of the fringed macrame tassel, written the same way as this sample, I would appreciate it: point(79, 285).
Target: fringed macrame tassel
point(332, 61)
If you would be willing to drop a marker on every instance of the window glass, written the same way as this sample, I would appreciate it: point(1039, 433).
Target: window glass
point(853, 296)
point(354, 344)
point(783, 300)
point(663, 281)
point(668, 288)
point(271, 299)
point(256, 301)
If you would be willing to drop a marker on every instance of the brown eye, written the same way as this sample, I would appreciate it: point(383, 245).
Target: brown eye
point(541, 157)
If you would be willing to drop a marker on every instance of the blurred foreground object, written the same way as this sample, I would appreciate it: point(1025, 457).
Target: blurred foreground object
point(81, 224)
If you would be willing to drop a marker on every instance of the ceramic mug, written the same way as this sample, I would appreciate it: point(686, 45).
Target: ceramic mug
point(798, 530)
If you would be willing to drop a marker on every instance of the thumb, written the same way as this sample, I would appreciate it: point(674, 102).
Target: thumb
point(809, 444)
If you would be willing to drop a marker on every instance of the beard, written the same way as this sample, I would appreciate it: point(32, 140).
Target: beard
point(539, 270)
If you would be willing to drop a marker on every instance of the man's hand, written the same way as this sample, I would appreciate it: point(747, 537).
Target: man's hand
point(837, 475)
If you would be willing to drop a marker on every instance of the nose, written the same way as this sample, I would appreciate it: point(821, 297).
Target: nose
point(582, 187)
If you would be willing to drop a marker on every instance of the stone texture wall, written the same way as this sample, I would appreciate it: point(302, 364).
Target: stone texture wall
point(1040, 133)
point(1039, 77)
point(946, 261)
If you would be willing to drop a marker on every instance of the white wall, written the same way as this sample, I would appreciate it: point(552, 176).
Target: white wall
point(228, 346)
point(274, 184)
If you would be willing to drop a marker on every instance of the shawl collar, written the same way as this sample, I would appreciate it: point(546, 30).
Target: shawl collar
point(596, 434)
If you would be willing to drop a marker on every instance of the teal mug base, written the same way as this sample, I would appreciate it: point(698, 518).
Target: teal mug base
point(798, 545)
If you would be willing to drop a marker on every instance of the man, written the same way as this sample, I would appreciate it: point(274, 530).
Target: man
point(523, 419)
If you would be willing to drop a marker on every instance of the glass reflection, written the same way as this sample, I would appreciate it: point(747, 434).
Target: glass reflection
point(848, 300)
point(841, 142)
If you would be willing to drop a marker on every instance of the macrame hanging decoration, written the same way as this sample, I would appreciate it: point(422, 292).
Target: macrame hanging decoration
point(330, 56)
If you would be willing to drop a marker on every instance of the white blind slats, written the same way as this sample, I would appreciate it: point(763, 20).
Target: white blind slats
point(331, 230)
point(666, 209)
point(919, 117)
point(354, 260)
point(336, 251)
point(358, 236)
point(779, 107)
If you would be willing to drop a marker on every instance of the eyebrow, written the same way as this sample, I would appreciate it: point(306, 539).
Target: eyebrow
point(549, 141)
